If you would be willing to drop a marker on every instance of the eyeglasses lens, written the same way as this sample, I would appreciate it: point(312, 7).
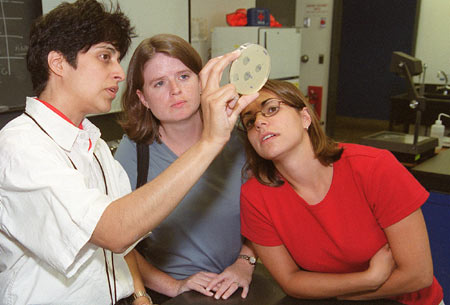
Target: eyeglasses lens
point(270, 108)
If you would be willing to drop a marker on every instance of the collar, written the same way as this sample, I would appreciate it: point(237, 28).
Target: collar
point(59, 127)
point(56, 110)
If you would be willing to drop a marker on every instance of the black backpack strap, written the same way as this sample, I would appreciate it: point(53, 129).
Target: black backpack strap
point(143, 157)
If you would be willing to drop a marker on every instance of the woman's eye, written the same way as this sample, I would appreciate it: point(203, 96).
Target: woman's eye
point(159, 84)
point(249, 123)
point(105, 57)
point(272, 109)
point(184, 76)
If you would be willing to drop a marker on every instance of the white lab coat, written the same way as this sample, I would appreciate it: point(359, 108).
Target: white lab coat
point(49, 210)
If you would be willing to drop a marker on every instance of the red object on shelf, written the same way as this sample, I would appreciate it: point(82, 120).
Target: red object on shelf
point(238, 18)
point(261, 16)
point(315, 98)
point(258, 17)
point(274, 23)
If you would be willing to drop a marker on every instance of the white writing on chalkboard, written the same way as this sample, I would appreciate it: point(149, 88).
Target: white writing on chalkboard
point(16, 17)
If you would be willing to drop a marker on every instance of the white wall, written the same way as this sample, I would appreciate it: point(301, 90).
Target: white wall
point(433, 38)
point(149, 17)
point(207, 14)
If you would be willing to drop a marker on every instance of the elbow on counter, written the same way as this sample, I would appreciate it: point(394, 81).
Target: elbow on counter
point(422, 277)
point(292, 293)
point(423, 280)
point(289, 290)
point(417, 280)
point(295, 293)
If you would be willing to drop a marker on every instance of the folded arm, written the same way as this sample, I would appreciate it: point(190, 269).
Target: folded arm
point(403, 266)
point(408, 240)
point(315, 285)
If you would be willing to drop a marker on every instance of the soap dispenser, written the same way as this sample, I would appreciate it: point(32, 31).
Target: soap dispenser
point(438, 129)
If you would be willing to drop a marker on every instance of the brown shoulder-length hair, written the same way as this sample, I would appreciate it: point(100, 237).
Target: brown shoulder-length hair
point(325, 149)
point(138, 121)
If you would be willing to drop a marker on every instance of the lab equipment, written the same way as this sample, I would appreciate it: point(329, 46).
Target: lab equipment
point(407, 148)
point(438, 129)
point(443, 77)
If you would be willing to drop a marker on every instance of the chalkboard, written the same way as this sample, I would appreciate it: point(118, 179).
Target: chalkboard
point(15, 82)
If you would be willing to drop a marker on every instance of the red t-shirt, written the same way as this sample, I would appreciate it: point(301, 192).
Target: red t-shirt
point(370, 191)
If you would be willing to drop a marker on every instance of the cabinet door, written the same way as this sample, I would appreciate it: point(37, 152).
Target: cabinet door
point(283, 45)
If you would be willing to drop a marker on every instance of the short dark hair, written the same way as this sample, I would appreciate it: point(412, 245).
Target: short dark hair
point(326, 150)
point(139, 123)
point(71, 28)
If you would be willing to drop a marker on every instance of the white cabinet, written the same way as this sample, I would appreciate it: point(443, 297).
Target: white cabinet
point(283, 45)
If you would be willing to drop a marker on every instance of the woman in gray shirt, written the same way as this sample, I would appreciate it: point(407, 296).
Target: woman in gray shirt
point(199, 246)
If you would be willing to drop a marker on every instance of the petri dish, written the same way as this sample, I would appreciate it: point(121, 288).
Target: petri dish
point(250, 71)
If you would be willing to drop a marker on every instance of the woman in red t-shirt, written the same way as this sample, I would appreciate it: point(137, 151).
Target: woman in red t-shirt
point(328, 219)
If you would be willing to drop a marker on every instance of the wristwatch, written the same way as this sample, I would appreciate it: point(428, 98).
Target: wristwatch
point(142, 293)
point(251, 259)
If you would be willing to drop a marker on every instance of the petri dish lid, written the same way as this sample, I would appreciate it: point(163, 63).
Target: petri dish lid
point(250, 71)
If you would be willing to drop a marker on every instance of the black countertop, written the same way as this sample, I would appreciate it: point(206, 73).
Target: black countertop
point(434, 173)
point(263, 291)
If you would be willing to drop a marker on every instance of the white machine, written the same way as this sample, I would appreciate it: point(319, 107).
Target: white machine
point(283, 45)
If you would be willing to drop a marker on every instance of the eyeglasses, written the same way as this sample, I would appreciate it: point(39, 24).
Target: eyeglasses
point(269, 108)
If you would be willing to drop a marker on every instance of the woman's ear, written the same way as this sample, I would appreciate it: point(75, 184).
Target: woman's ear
point(306, 118)
point(141, 97)
point(55, 61)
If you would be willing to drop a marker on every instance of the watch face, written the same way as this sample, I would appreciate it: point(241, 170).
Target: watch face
point(250, 259)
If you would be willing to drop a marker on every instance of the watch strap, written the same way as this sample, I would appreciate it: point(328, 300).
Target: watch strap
point(142, 293)
point(250, 259)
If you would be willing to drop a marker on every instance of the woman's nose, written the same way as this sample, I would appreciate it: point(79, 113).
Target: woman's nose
point(174, 87)
point(119, 73)
point(260, 120)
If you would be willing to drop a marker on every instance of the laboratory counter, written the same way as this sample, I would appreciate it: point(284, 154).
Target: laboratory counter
point(263, 291)
point(434, 173)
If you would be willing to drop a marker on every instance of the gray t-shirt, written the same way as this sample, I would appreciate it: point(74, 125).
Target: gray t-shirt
point(203, 232)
